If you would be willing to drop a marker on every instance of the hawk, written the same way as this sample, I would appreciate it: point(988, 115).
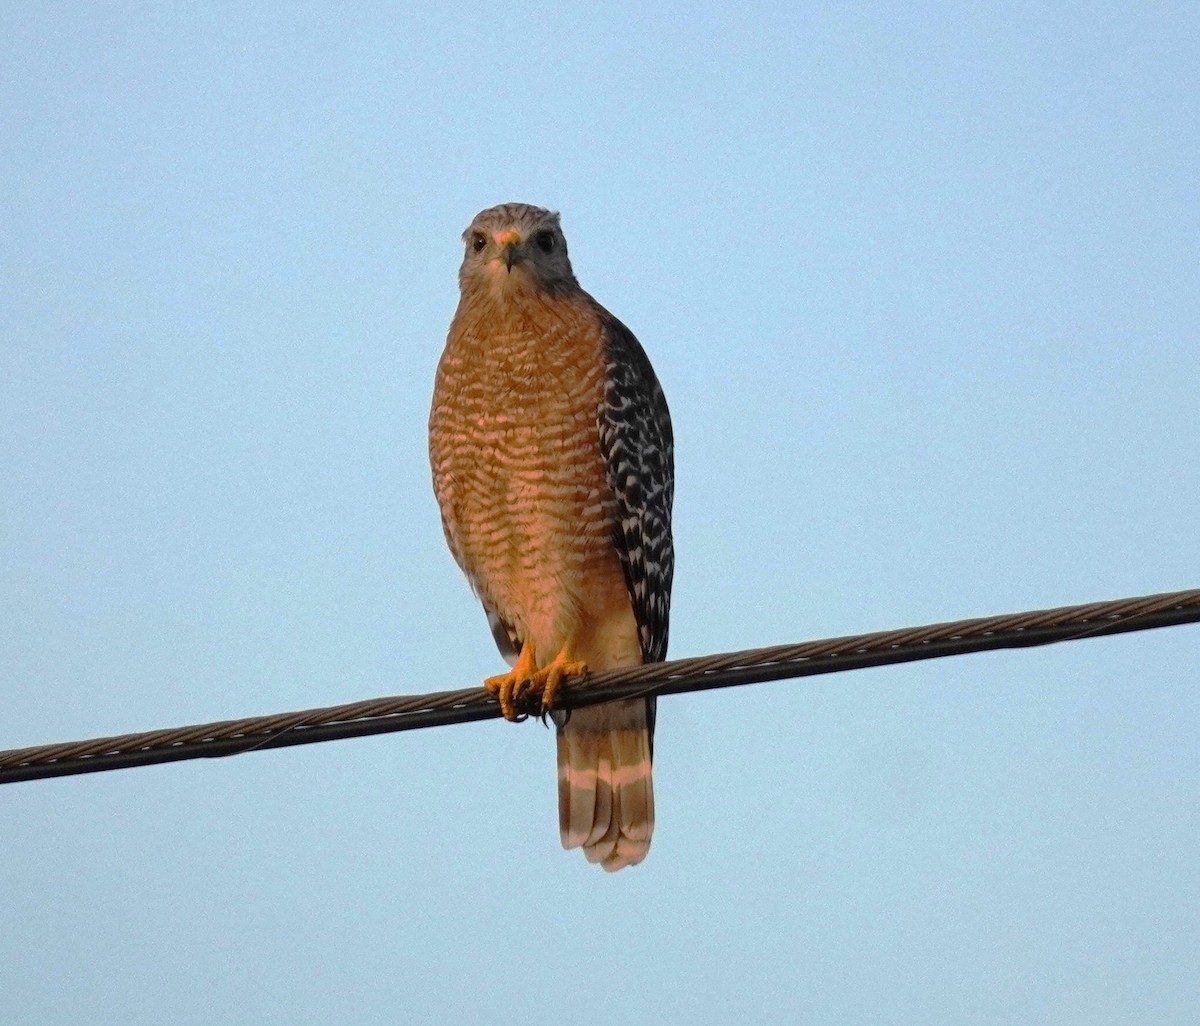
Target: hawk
point(552, 456)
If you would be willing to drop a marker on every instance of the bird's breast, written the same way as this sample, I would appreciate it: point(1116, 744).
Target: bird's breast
point(516, 455)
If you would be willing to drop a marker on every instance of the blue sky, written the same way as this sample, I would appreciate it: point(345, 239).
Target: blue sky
point(922, 284)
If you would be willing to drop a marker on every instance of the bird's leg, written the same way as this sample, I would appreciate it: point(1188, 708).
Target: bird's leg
point(526, 683)
point(545, 681)
point(508, 687)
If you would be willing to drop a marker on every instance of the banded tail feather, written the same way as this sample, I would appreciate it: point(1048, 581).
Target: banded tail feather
point(605, 789)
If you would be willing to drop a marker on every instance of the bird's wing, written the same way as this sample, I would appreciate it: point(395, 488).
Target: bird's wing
point(638, 448)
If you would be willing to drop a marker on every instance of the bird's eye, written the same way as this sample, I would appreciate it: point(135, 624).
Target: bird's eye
point(478, 241)
point(545, 241)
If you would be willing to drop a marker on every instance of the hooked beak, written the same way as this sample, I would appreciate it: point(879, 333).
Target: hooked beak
point(509, 243)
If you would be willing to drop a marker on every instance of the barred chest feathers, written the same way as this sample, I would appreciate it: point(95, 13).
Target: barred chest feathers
point(518, 468)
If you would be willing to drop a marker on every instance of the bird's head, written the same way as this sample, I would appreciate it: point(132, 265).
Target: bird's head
point(513, 248)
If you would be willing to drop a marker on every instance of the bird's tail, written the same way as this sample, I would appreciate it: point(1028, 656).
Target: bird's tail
point(605, 793)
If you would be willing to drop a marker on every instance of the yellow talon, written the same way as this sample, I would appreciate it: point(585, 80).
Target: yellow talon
point(549, 677)
point(508, 687)
point(517, 689)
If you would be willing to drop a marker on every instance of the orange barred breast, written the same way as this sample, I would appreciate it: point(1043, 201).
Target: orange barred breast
point(519, 472)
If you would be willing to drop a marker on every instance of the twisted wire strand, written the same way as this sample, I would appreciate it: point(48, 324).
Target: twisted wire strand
point(410, 712)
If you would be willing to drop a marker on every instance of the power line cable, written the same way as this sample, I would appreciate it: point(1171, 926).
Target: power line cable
point(412, 712)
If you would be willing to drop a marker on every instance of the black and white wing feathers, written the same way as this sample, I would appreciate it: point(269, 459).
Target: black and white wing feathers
point(638, 447)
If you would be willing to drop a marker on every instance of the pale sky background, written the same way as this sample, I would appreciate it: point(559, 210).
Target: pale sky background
point(922, 283)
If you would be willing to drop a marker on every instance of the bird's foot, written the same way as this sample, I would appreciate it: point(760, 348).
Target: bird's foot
point(545, 682)
point(508, 687)
point(528, 690)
